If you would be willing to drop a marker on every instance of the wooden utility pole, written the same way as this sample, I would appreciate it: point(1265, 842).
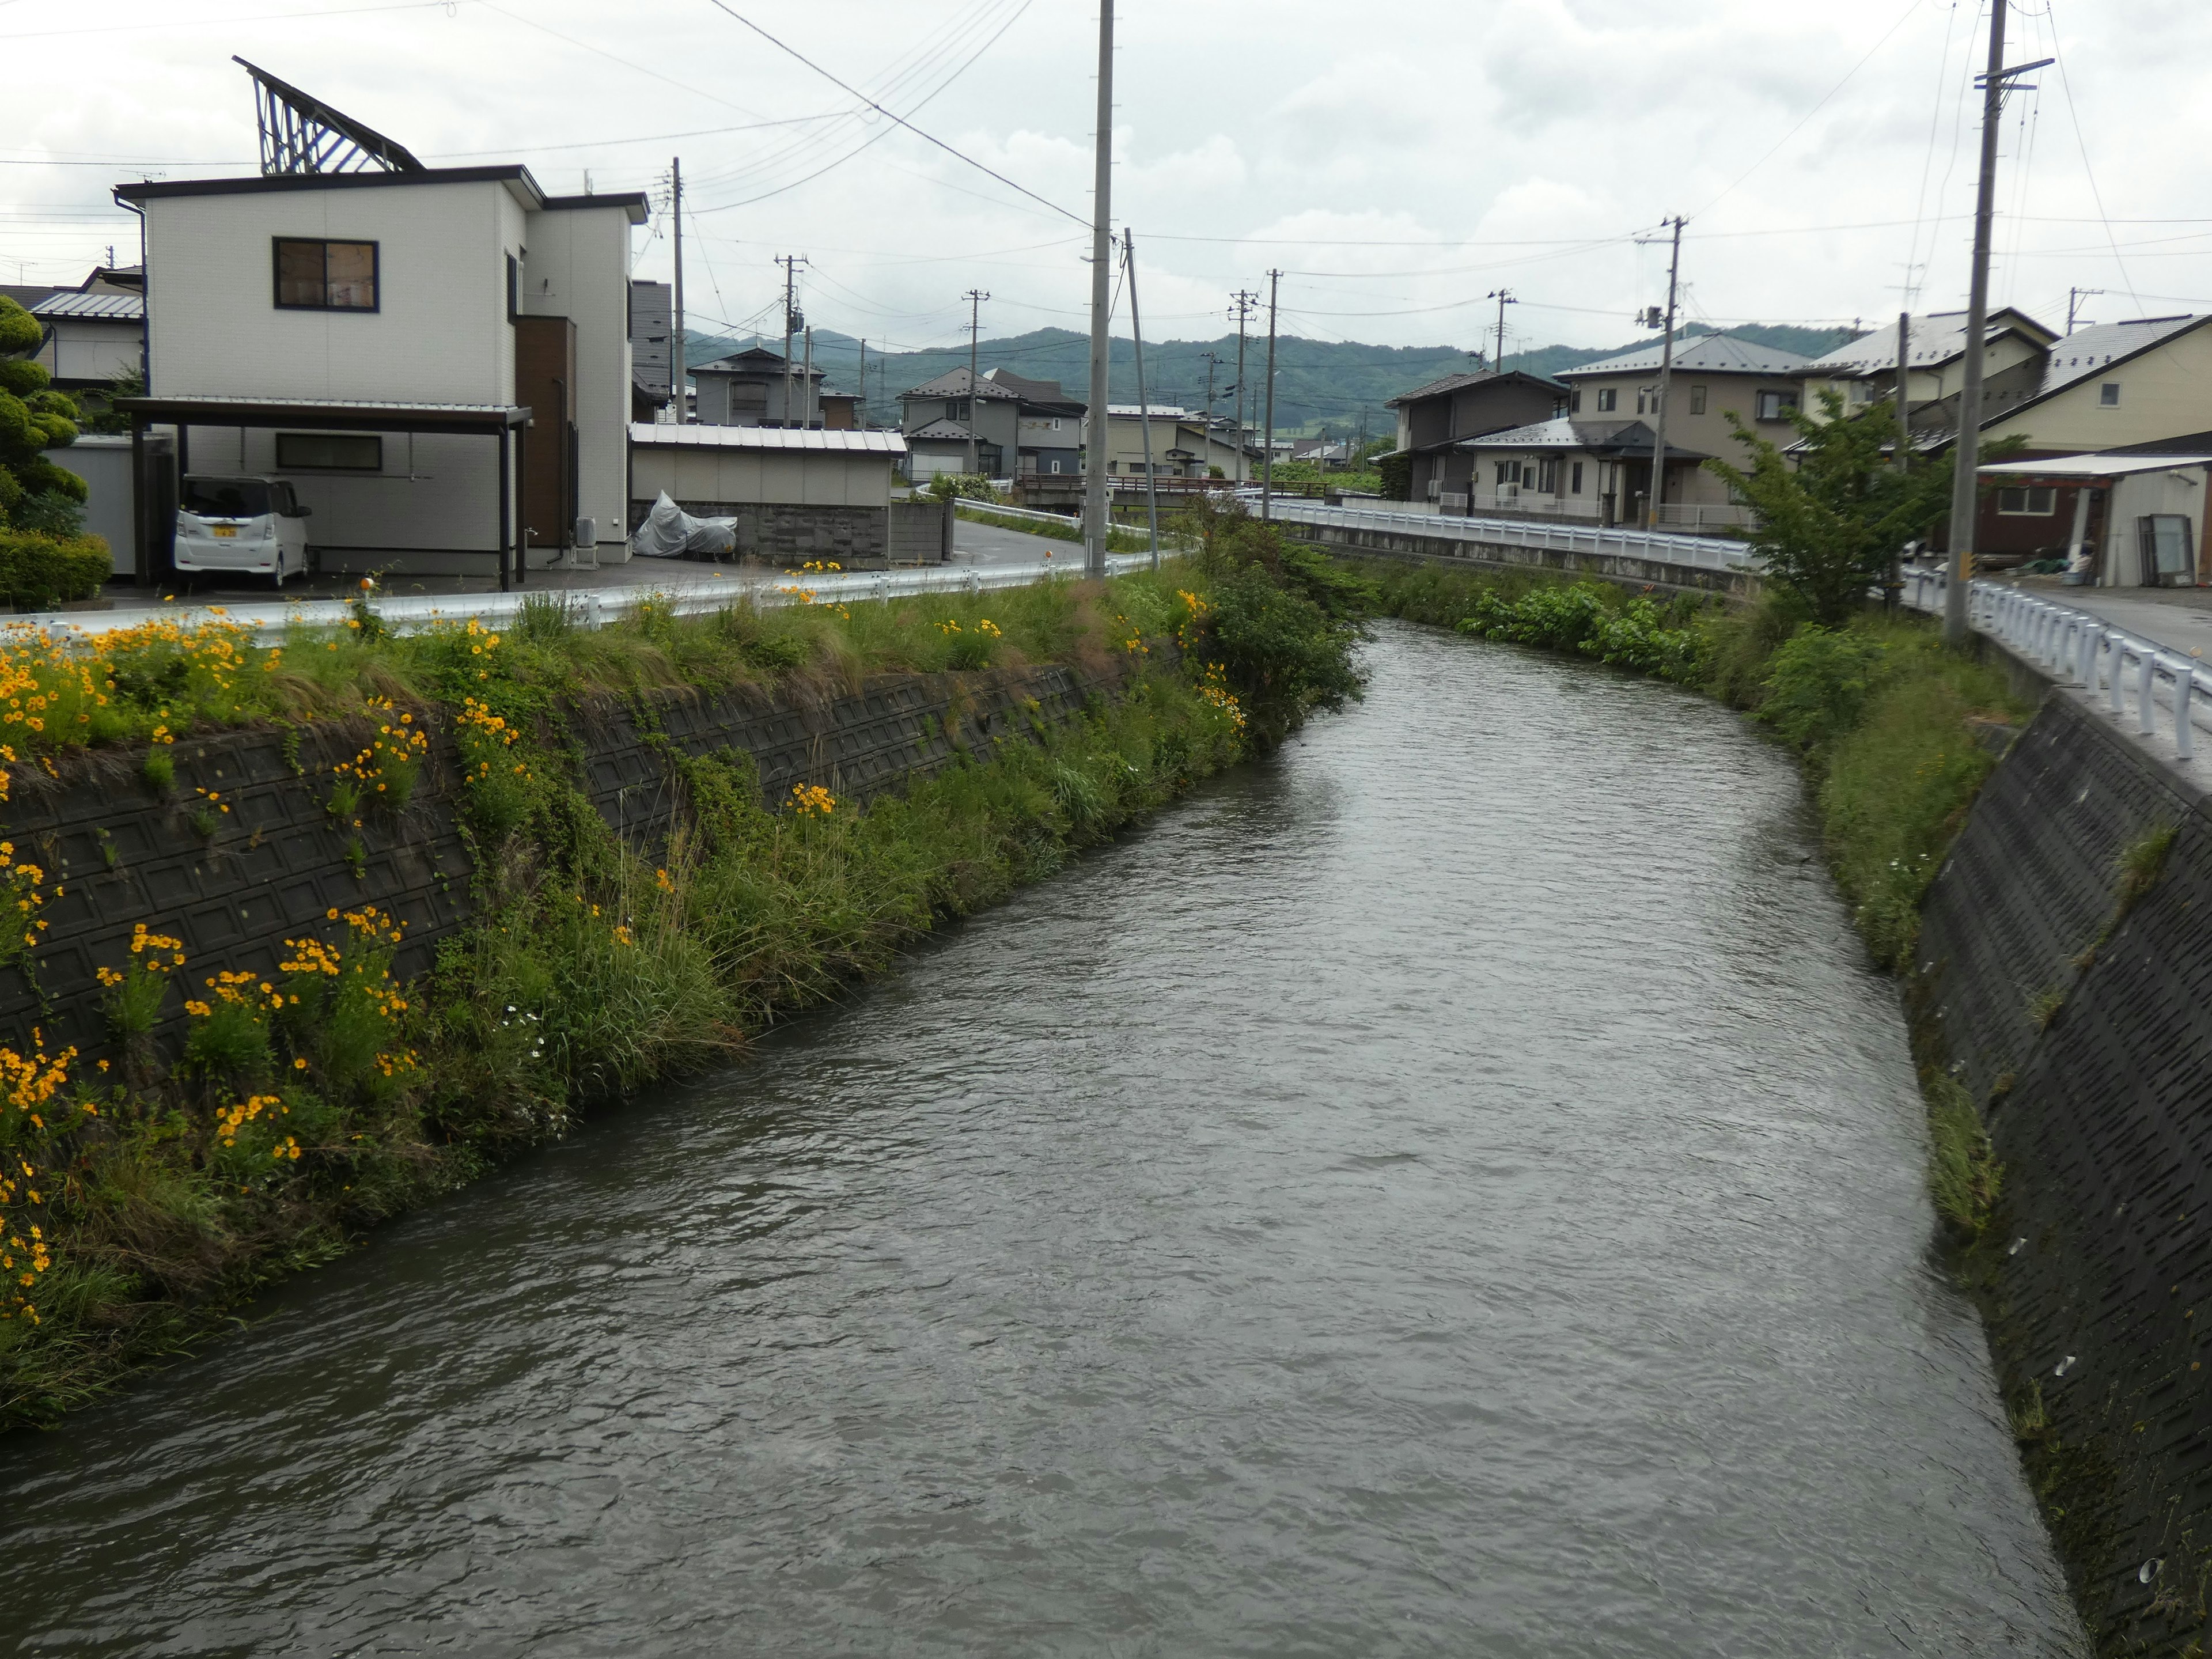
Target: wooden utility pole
point(790, 262)
point(2073, 298)
point(1505, 298)
point(860, 413)
point(676, 368)
point(1144, 397)
point(1096, 420)
point(806, 382)
point(1268, 461)
point(974, 296)
point(1246, 302)
point(1966, 452)
point(1665, 376)
point(1894, 586)
point(1212, 362)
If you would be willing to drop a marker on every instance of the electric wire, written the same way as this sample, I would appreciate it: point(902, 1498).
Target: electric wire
point(2074, 115)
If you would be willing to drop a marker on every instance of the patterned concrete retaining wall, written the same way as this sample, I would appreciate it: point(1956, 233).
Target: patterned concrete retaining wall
point(233, 886)
point(2099, 1293)
point(1412, 545)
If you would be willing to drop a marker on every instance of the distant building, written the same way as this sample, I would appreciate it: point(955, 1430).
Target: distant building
point(1433, 420)
point(748, 388)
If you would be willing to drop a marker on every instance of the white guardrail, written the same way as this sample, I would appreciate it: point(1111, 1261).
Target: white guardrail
point(1660, 546)
point(590, 607)
point(2135, 677)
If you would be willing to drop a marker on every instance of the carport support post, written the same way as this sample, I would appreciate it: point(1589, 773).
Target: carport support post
point(142, 549)
point(521, 541)
point(506, 474)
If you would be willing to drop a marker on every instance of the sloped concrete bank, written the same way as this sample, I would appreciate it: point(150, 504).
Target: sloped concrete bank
point(244, 851)
point(2063, 976)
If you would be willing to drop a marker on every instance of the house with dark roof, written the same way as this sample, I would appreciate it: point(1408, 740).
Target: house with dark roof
point(749, 388)
point(954, 426)
point(94, 334)
point(1434, 419)
point(1048, 426)
point(1863, 372)
point(1713, 376)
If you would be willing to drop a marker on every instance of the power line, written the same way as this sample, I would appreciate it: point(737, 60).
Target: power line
point(900, 119)
point(2074, 114)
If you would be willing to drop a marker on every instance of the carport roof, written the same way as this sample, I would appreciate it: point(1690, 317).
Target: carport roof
point(339, 413)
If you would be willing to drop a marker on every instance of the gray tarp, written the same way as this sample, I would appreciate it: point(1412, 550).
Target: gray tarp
point(670, 533)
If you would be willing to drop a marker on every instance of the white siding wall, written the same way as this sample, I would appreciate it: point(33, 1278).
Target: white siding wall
point(579, 268)
point(441, 335)
point(692, 473)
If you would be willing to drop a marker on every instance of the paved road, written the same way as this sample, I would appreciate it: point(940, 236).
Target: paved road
point(986, 544)
point(2179, 618)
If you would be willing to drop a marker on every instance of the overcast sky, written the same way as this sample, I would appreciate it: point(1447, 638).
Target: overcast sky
point(1397, 162)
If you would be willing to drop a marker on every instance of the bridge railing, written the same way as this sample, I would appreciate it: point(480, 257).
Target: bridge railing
point(1660, 547)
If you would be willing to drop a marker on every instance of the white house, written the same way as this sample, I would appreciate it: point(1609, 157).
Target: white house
point(437, 358)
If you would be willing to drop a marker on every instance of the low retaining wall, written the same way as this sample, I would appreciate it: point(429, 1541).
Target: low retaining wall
point(234, 886)
point(905, 533)
point(2092, 1061)
point(1626, 569)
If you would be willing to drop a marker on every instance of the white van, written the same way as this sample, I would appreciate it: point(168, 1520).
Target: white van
point(247, 525)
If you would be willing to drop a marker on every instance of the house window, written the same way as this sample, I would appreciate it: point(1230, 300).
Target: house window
point(1506, 473)
point(329, 452)
point(2030, 502)
point(1547, 477)
point(1608, 400)
point(1642, 397)
point(1697, 400)
point(1777, 405)
point(1575, 401)
point(326, 275)
point(1575, 479)
point(1055, 466)
point(2108, 395)
point(513, 288)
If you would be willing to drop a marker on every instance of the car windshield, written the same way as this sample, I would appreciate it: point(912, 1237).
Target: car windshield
point(225, 498)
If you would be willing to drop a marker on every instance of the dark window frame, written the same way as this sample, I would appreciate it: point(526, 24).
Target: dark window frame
point(2023, 497)
point(1608, 400)
point(1575, 478)
point(1697, 400)
point(278, 244)
point(288, 463)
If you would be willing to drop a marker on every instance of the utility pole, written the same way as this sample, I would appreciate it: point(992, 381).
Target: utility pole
point(1892, 589)
point(2073, 298)
point(1966, 497)
point(1268, 461)
point(790, 262)
point(974, 296)
point(1666, 374)
point(1246, 303)
point(1144, 398)
point(861, 413)
point(676, 372)
point(1095, 421)
point(1505, 298)
point(1212, 362)
point(806, 382)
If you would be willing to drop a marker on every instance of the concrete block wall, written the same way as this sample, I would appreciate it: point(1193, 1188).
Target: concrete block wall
point(277, 864)
point(2102, 1290)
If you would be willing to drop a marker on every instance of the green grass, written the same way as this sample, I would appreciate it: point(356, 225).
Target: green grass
point(299, 1110)
point(1118, 539)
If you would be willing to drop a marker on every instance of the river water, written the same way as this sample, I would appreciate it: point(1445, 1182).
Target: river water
point(1452, 1189)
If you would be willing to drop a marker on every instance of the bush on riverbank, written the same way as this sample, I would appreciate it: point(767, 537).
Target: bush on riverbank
point(143, 1195)
point(1886, 718)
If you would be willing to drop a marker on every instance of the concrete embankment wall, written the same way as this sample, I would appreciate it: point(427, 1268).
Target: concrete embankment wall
point(2096, 1275)
point(275, 864)
point(1414, 546)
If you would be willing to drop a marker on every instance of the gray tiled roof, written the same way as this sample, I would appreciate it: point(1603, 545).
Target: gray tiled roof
point(1700, 354)
point(1936, 337)
point(952, 430)
point(953, 383)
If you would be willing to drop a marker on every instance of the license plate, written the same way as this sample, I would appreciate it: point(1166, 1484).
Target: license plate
point(222, 530)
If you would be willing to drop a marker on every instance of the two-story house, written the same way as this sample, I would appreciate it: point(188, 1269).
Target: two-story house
point(1048, 426)
point(1434, 420)
point(952, 426)
point(751, 388)
point(437, 359)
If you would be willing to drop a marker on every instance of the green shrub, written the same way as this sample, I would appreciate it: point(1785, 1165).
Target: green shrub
point(40, 571)
point(1963, 1174)
point(1818, 682)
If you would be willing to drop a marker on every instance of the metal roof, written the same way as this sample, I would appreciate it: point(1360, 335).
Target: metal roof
point(326, 413)
point(1160, 412)
point(1937, 336)
point(1701, 354)
point(1471, 377)
point(1632, 439)
point(100, 306)
point(2099, 465)
point(2099, 346)
point(516, 177)
point(654, 435)
point(941, 431)
point(953, 383)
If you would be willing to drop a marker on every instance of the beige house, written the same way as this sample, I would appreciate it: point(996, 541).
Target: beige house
point(1182, 446)
point(1594, 460)
point(1864, 372)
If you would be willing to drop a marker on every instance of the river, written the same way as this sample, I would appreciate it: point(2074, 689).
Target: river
point(1454, 1188)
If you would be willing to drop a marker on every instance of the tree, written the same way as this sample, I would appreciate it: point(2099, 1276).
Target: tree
point(1397, 474)
point(1829, 527)
point(32, 419)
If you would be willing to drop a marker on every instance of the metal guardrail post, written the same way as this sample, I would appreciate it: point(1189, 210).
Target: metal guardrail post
point(2116, 699)
point(2146, 692)
point(2086, 658)
point(2184, 683)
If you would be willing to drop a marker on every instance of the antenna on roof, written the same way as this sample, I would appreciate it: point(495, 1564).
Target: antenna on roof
point(300, 133)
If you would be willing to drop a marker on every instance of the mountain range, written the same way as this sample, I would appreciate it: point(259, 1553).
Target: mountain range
point(1320, 385)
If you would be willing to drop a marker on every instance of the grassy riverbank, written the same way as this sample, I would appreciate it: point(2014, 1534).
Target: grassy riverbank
point(145, 1196)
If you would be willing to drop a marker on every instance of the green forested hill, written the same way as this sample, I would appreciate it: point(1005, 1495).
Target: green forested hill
point(1318, 383)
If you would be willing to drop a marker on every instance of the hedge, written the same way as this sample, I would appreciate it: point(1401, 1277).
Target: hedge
point(38, 572)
